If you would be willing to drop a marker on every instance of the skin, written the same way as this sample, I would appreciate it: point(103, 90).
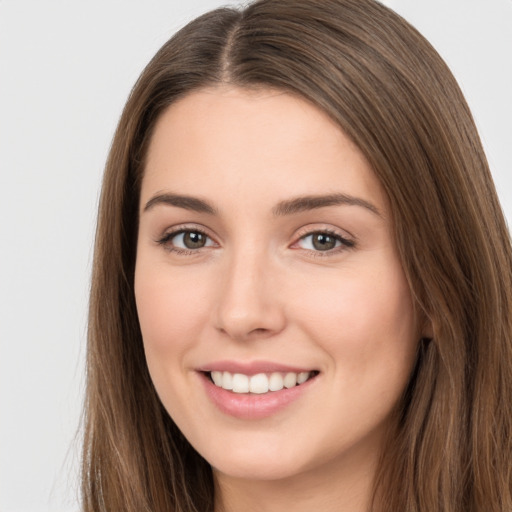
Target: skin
point(260, 290)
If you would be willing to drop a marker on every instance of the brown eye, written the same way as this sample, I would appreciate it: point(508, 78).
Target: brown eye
point(193, 239)
point(186, 240)
point(323, 241)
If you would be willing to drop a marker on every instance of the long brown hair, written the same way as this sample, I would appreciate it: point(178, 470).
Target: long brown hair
point(391, 93)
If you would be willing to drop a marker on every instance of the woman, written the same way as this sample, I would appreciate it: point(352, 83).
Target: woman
point(302, 289)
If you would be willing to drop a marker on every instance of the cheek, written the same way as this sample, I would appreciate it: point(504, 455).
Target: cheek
point(364, 318)
point(170, 310)
point(366, 326)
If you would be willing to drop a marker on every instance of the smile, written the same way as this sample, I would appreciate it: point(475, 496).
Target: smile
point(255, 390)
point(260, 383)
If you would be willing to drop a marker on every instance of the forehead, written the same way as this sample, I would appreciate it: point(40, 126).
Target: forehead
point(245, 142)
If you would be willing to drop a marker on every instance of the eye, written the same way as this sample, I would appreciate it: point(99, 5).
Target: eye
point(323, 241)
point(186, 240)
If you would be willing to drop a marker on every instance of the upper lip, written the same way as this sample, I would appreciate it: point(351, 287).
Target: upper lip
point(251, 367)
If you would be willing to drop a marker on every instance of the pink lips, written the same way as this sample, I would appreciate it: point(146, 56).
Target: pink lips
point(248, 406)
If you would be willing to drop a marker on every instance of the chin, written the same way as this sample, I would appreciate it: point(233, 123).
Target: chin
point(271, 461)
point(253, 461)
point(256, 470)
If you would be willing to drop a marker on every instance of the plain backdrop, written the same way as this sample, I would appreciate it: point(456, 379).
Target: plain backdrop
point(66, 68)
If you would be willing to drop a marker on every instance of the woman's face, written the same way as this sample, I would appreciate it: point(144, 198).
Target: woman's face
point(266, 262)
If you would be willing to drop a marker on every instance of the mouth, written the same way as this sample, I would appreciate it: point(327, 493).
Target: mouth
point(260, 383)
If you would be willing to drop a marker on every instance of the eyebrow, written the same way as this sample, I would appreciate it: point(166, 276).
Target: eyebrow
point(187, 202)
point(304, 203)
point(283, 208)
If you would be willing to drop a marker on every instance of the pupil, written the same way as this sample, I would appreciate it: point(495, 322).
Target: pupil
point(194, 240)
point(323, 242)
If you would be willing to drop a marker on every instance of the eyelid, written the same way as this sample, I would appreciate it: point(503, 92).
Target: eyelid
point(347, 242)
point(169, 233)
point(324, 227)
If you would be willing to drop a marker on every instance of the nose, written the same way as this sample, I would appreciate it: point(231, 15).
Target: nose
point(249, 305)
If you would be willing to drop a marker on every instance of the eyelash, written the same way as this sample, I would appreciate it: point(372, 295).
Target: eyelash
point(345, 243)
point(165, 240)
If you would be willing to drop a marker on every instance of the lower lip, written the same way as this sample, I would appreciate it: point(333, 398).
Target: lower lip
point(251, 406)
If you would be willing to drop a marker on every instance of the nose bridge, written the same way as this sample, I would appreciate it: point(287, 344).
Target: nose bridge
point(248, 304)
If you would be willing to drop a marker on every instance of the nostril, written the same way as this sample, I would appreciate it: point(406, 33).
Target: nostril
point(259, 330)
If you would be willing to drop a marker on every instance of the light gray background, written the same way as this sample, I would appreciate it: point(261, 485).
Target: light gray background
point(66, 68)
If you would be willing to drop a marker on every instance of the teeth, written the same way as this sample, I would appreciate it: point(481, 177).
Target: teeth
point(302, 377)
point(240, 383)
point(275, 382)
point(259, 383)
point(217, 378)
point(227, 380)
point(290, 380)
